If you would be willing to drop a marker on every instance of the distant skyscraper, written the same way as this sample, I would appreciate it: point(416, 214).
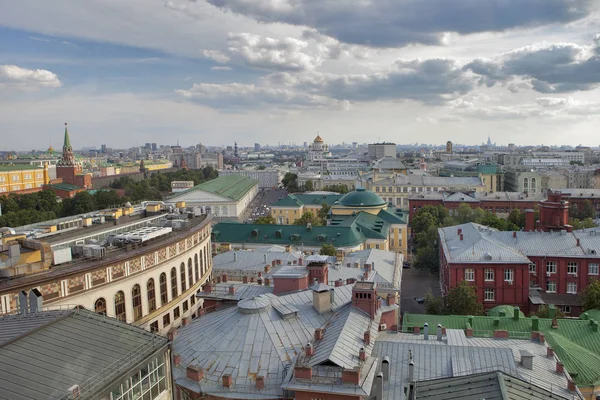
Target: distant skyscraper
point(103, 148)
point(148, 146)
point(256, 147)
point(489, 142)
point(449, 147)
point(235, 150)
point(154, 147)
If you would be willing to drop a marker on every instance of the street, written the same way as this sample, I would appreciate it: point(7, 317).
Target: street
point(416, 283)
point(263, 200)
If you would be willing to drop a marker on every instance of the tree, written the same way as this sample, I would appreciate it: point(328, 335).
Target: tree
point(464, 212)
point(327, 250)
point(590, 296)
point(462, 300)
point(342, 189)
point(290, 182)
point(261, 167)
point(544, 312)
point(323, 212)
point(433, 305)
point(587, 210)
point(309, 186)
point(308, 218)
point(517, 217)
point(265, 220)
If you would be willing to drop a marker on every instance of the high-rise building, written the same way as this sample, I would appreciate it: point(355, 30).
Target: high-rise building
point(380, 150)
point(449, 147)
point(256, 147)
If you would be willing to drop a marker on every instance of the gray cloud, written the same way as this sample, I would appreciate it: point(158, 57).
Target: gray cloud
point(216, 55)
point(553, 68)
point(393, 23)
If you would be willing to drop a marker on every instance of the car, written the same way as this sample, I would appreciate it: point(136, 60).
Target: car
point(406, 264)
point(420, 300)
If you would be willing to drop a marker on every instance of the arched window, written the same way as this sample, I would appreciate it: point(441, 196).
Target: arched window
point(100, 306)
point(202, 262)
point(526, 185)
point(173, 283)
point(151, 295)
point(533, 185)
point(136, 299)
point(164, 296)
point(196, 267)
point(182, 273)
point(120, 312)
point(190, 271)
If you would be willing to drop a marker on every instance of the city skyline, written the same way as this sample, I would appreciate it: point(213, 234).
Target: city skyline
point(524, 72)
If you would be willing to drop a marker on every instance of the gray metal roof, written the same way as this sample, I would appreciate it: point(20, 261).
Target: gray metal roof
point(386, 267)
point(252, 261)
point(344, 337)
point(456, 183)
point(77, 347)
point(245, 345)
point(16, 325)
point(488, 386)
point(241, 291)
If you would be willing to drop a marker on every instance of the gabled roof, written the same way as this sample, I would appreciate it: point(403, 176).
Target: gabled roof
point(461, 197)
point(232, 186)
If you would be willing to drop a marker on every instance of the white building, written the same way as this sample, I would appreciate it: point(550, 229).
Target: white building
point(226, 196)
point(267, 178)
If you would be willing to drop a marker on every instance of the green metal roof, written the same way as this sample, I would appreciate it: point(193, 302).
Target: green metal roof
point(20, 167)
point(338, 236)
point(67, 141)
point(575, 341)
point(297, 200)
point(65, 186)
point(394, 216)
point(233, 186)
point(508, 311)
point(361, 198)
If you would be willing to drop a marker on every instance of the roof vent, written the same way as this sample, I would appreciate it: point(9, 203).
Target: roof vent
point(487, 256)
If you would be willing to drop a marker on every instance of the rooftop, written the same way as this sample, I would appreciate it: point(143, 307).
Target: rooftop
point(20, 167)
point(361, 198)
point(65, 186)
point(297, 200)
point(232, 187)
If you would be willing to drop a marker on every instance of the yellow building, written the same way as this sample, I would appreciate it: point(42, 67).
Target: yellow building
point(15, 178)
point(289, 209)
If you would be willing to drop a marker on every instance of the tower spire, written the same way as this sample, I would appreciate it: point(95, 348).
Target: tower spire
point(67, 151)
point(67, 141)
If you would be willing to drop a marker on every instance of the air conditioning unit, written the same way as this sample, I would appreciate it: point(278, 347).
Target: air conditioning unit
point(510, 282)
point(548, 274)
point(382, 327)
point(74, 392)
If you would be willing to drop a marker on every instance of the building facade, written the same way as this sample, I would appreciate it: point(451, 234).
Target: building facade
point(267, 178)
point(19, 178)
point(380, 150)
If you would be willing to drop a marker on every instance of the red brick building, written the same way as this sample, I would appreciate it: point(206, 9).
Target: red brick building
point(547, 263)
point(70, 171)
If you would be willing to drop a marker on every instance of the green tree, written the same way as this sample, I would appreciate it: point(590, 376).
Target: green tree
point(433, 305)
point(327, 250)
point(464, 212)
point(587, 210)
point(544, 312)
point(517, 217)
point(81, 203)
point(309, 186)
point(422, 221)
point(261, 167)
point(308, 218)
point(265, 220)
point(323, 212)
point(462, 300)
point(590, 296)
point(290, 182)
point(342, 189)
point(106, 198)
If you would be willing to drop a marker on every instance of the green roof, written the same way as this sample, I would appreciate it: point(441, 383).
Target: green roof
point(65, 186)
point(394, 216)
point(361, 198)
point(67, 141)
point(508, 311)
point(297, 200)
point(339, 236)
point(233, 186)
point(20, 167)
point(575, 341)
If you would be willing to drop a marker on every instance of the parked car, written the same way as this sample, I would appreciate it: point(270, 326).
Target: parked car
point(420, 300)
point(406, 264)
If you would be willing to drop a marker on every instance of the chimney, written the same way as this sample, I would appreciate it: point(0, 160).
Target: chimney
point(516, 313)
point(23, 304)
point(578, 242)
point(385, 368)
point(232, 290)
point(362, 354)
point(318, 334)
point(176, 359)
point(411, 371)
point(351, 376)
point(35, 300)
point(267, 268)
point(227, 381)
point(461, 236)
point(549, 352)
point(459, 231)
point(426, 331)
point(194, 373)
point(332, 296)
point(172, 334)
point(339, 282)
point(515, 234)
point(207, 288)
point(303, 372)
point(224, 278)
point(367, 338)
point(439, 332)
point(560, 367)
point(234, 256)
point(391, 299)
point(184, 321)
point(267, 282)
point(369, 267)
point(571, 385)
point(350, 281)
point(273, 263)
point(260, 274)
point(265, 258)
point(245, 279)
point(529, 220)
point(379, 386)
point(308, 350)
point(322, 299)
point(260, 382)
point(300, 261)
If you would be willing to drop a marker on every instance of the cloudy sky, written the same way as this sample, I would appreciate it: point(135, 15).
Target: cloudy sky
point(217, 71)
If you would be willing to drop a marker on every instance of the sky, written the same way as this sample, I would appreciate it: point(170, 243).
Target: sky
point(123, 73)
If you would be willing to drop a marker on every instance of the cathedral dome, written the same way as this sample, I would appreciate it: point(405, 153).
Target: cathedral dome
point(318, 139)
point(361, 198)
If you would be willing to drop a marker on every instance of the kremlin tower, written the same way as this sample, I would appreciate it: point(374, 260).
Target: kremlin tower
point(70, 171)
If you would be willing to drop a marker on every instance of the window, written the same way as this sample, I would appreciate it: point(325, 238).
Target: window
point(120, 312)
point(185, 306)
point(148, 382)
point(551, 267)
point(38, 176)
point(15, 178)
point(27, 176)
point(469, 274)
point(489, 275)
point(173, 283)
point(154, 327)
point(572, 287)
point(100, 306)
point(383, 189)
point(196, 267)
point(551, 286)
point(176, 313)
point(532, 268)
point(488, 294)
point(151, 295)
point(508, 275)
point(166, 319)
point(377, 246)
point(164, 296)
point(565, 309)
point(201, 262)
point(136, 299)
point(376, 189)
point(593, 269)
point(572, 268)
point(193, 299)
point(2, 179)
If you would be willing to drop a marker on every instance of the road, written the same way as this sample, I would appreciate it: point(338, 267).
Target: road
point(263, 200)
point(416, 283)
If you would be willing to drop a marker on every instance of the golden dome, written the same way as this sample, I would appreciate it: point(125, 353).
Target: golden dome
point(318, 139)
point(50, 149)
